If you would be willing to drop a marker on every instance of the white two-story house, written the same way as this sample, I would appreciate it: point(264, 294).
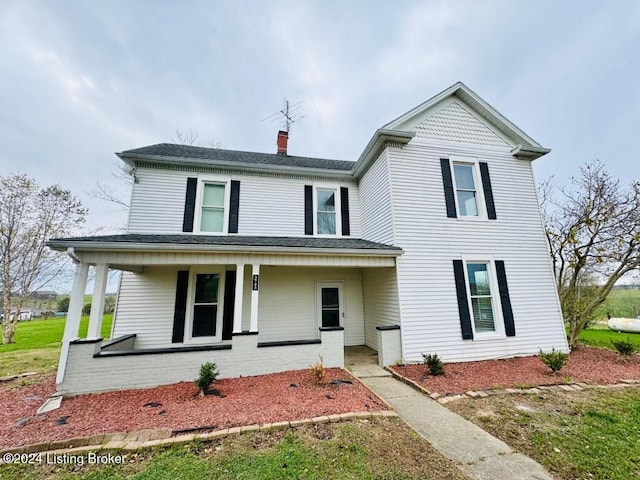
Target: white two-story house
point(431, 242)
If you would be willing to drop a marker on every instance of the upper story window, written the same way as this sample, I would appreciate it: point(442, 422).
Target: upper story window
point(212, 210)
point(466, 193)
point(326, 214)
point(467, 188)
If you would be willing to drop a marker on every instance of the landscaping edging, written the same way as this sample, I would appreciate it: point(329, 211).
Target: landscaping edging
point(570, 387)
point(153, 438)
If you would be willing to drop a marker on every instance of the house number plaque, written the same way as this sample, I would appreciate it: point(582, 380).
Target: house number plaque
point(256, 282)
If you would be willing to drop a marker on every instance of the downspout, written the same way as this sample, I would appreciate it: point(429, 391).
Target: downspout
point(72, 254)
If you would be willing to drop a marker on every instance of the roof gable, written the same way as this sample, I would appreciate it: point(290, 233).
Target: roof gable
point(454, 122)
point(470, 111)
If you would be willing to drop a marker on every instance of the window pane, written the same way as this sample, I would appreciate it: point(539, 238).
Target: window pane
point(212, 220)
point(331, 318)
point(330, 298)
point(483, 314)
point(207, 288)
point(326, 200)
point(204, 320)
point(478, 279)
point(213, 195)
point(467, 203)
point(464, 177)
point(326, 223)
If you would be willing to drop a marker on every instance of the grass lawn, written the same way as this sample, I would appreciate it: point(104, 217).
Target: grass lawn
point(371, 449)
point(588, 434)
point(37, 345)
point(598, 337)
point(620, 303)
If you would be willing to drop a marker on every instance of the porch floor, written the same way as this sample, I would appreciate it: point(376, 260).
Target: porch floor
point(362, 361)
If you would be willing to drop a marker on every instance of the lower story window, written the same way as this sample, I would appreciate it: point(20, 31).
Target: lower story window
point(480, 296)
point(205, 305)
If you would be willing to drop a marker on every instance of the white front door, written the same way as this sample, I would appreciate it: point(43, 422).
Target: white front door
point(330, 304)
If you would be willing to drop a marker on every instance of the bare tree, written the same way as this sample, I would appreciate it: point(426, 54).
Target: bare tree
point(594, 240)
point(29, 216)
point(189, 137)
point(113, 191)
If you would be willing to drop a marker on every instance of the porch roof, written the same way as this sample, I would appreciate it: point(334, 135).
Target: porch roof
point(226, 243)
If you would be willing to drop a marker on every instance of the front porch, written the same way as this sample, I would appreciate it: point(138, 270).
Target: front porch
point(269, 313)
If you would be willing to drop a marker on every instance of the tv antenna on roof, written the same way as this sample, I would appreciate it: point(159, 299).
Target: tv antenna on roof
point(289, 114)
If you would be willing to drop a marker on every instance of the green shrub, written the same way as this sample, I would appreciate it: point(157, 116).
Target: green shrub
point(208, 374)
point(555, 360)
point(434, 364)
point(626, 348)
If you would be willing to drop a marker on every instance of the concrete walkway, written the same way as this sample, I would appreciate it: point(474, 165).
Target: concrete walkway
point(480, 455)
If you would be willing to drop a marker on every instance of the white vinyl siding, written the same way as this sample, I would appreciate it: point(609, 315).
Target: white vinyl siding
point(287, 307)
point(430, 241)
point(375, 195)
point(269, 205)
point(380, 301)
point(146, 305)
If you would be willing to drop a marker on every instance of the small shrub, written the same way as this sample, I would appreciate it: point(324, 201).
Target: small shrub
point(319, 373)
point(624, 347)
point(555, 360)
point(434, 364)
point(208, 374)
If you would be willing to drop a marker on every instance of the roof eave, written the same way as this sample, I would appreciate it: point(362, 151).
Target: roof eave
point(527, 152)
point(80, 246)
point(132, 159)
point(375, 146)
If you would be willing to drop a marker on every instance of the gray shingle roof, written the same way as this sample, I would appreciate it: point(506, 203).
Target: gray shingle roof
point(244, 241)
point(181, 153)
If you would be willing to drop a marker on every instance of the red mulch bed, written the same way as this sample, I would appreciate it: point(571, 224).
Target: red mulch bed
point(587, 365)
point(249, 400)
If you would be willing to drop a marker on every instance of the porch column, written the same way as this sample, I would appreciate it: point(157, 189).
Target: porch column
point(237, 309)
point(74, 313)
point(97, 302)
point(76, 302)
point(255, 285)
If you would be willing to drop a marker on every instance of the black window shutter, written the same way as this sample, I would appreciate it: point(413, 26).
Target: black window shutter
point(507, 313)
point(488, 192)
point(447, 182)
point(234, 205)
point(189, 205)
point(180, 309)
point(463, 303)
point(344, 207)
point(229, 304)
point(308, 210)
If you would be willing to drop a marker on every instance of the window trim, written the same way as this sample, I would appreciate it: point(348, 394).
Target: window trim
point(338, 207)
point(197, 215)
point(191, 294)
point(496, 306)
point(481, 205)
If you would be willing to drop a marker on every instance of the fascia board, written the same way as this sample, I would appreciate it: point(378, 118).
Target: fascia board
point(171, 247)
point(132, 159)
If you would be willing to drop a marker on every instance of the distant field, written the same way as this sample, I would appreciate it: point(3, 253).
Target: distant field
point(37, 344)
point(621, 303)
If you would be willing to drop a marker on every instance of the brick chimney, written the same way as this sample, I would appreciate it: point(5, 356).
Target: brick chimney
point(283, 138)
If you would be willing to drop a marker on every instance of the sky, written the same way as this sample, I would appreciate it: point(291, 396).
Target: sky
point(82, 80)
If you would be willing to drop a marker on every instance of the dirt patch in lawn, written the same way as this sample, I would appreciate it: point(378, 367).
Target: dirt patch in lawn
point(588, 365)
point(242, 401)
